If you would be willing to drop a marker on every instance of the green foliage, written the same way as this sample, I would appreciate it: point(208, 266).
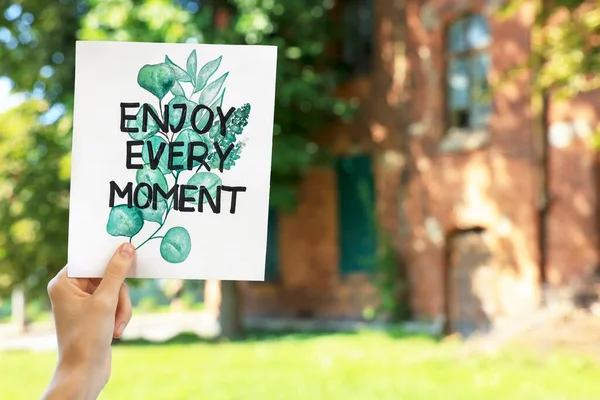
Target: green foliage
point(34, 196)
point(565, 48)
point(566, 45)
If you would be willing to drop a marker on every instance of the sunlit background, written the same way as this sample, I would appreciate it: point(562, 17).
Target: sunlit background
point(434, 230)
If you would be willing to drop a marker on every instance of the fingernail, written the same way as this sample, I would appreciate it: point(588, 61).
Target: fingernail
point(121, 328)
point(127, 250)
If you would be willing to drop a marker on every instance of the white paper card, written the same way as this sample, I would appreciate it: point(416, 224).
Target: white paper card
point(184, 133)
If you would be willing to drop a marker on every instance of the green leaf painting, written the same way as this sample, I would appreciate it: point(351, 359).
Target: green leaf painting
point(176, 245)
point(204, 115)
point(177, 90)
point(151, 125)
point(192, 66)
point(175, 113)
point(151, 153)
point(183, 88)
point(186, 137)
point(180, 73)
point(210, 93)
point(205, 74)
point(151, 176)
point(149, 213)
point(157, 79)
point(124, 221)
point(204, 179)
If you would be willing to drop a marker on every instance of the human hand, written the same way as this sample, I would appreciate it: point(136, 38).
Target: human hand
point(88, 314)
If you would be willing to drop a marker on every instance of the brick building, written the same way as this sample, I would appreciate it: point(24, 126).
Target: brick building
point(503, 194)
point(474, 168)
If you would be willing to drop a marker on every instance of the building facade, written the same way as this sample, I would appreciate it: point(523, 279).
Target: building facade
point(487, 198)
point(503, 198)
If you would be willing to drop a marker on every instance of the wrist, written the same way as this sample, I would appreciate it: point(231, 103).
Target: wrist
point(71, 382)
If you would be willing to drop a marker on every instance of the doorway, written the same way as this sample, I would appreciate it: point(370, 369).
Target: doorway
point(472, 282)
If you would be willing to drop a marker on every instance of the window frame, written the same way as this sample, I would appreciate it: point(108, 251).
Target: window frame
point(354, 64)
point(466, 55)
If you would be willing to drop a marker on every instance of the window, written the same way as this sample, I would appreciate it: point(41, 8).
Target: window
point(469, 98)
point(357, 26)
point(356, 208)
point(272, 259)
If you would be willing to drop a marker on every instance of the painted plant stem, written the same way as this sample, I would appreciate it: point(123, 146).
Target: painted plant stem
point(160, 110)
point(165, 135)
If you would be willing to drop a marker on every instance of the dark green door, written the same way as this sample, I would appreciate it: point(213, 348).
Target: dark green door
point(356, 198)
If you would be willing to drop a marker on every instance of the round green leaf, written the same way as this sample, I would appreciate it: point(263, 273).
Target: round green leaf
point(175, 113)
point(151, 128)
point(163, 163)
point(149, 213)
point(151, 176)
point(207, 179)
point(158, 79)
point(124, 221)
point(176, 245)
point(186, 136)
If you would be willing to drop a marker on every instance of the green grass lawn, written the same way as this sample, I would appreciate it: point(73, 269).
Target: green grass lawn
point(361, 366)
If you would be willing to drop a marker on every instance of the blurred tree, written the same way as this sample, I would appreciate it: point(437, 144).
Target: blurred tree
point(34, 196)
point(565, 45)
point(37, 50)
point(35, 41)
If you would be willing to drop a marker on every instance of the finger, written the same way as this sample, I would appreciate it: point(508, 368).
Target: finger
point(123, 314)
point(116, 272)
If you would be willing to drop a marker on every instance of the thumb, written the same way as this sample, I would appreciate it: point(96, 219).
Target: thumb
point(116, 271)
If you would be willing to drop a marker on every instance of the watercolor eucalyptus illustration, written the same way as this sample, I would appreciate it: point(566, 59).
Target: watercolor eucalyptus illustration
point(173, 86)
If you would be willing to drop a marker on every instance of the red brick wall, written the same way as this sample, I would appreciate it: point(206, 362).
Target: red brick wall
point(492, 187)
point(310, 283)
point(573, 215)
point(495, 186)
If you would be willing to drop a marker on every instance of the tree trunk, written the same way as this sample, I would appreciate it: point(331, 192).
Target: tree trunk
point(212, 297)
point(18, 315)
point(230, 315)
